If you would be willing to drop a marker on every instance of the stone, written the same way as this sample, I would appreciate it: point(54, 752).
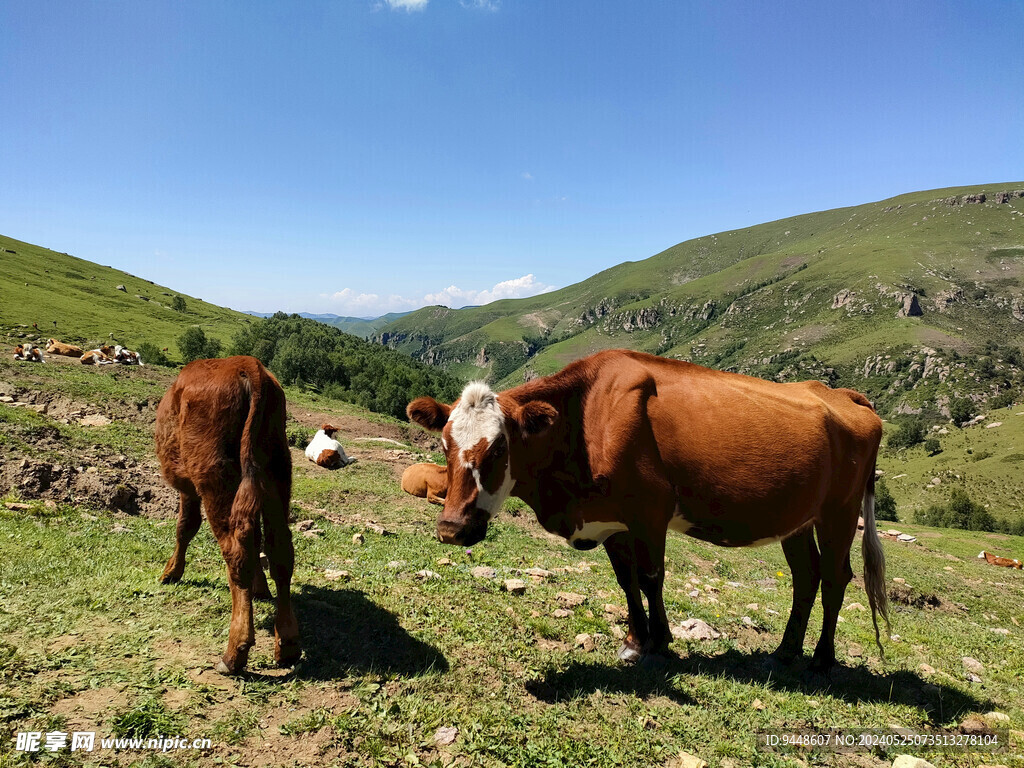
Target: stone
point(95, 420)
point(906, 537)
point(753, 606)
point(855, 651)
point(584, 641)
point(898, 580)
point(993, 425)
point(975, 725)
point(910, 761)
point(358, 538)
point(561, 613)
point(758, 705)
point(333, 575)
point(927, 669)
point(973, 665)
point(695, 629)
point(855, 607)
point(514, 586)
point(427, 575)
point(305, 525)
point(999, 630)
point(694, 593)
point(686, 760)
point(483, 572)
point(446, 735)
point(570, 599)
point(538, 573)
point(444, 561)
point(121, 288)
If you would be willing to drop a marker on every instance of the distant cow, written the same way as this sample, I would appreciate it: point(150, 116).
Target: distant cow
point(324, 450)
point(1005, 562)
point(220, 438)
point(97, 357)
point(28, 352)
point(55, 347)
point(619, 447)
point(427, 481)
point(126, 356)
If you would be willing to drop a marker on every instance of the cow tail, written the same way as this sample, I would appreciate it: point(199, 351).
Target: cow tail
point(874, 564)
point(247, 507)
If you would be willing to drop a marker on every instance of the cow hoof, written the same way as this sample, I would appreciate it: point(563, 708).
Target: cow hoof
point(782, 658)
point(170, 578)
point(821, 668)
point(289, 655)
point(628, 654)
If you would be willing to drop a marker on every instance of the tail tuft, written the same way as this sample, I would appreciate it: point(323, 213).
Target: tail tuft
point(874, 566)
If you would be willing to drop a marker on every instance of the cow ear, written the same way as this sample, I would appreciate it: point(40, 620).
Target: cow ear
point(534, 417)
point(428, 413)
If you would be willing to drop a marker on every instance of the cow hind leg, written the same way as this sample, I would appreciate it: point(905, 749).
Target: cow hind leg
point(804, 562)
point(189, 520)
point(835, 575)
point(620, 551)
point(281, 554)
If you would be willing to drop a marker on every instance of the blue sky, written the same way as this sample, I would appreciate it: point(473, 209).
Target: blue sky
point(364, 156)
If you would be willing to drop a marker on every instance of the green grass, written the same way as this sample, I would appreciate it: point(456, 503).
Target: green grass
point(40, 286)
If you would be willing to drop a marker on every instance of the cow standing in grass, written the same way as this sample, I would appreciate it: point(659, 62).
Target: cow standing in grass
point(220, 438)
point(620, 447)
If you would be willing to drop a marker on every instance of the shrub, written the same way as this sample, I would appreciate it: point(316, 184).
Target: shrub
point(195, 345)
point(151, 354)
point(961, 410)
point(178, 304)
point(932, 446)
point(1002, 400)
point(961, 512)
point(885, 504)
point(910, 433)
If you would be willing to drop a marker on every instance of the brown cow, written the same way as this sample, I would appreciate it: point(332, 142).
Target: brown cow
point(621, 446)
point(220, 437)
point(55, 347)
point(28, 352)
point(426, 481)
point(1005, 562)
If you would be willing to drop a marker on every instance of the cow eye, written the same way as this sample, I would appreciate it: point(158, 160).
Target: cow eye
point(499, 449)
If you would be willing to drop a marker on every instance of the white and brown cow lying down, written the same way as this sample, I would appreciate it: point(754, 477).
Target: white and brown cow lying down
point(220, 438)
point(55, 347)
point(126, 356)
point(426, 481)
point(29, 353)
point(1005, 562)
point(324, 450)
point(620, 447)
point(102, 356)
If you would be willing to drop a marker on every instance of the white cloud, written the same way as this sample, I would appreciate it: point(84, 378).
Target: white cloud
point(349, 302)
point(407, 5)
point(483, 5)
point(526, 175)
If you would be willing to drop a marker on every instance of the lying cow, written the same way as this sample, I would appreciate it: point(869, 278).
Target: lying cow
point(55, 347)
point(324, 450)
point(126, 356)
point(102, 356)
point(426, 481)
point(1005, 562)
point(29, 353)
point(620, 447)
point(220, 438)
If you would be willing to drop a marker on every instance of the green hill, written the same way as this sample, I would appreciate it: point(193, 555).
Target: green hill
point(814, 295)
point(41, 286)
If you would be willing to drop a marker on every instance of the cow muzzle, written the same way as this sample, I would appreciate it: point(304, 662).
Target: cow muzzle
point(461, 533)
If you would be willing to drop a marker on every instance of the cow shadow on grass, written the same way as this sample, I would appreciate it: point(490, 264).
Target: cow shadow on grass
point(940, 703)
point(344, 632)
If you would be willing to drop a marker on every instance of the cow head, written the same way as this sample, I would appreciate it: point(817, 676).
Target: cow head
point(329, 430)
point(478, 435)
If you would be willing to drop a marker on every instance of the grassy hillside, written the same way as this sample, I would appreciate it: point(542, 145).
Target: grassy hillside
point(41, 286)
point(813, 295)
point(402, 639)
point(357, 326)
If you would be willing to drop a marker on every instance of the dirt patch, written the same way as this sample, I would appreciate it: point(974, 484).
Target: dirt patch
point(912, 598)
point(86, 708)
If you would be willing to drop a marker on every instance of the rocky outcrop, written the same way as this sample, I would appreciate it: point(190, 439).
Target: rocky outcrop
point(943, 299)
point(481, 359)
point(1017, 309)
point(978, 198)
point(909, 305)
point(843, 298)
point(634, 320)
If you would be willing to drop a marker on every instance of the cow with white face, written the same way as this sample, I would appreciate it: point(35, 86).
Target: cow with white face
point(477, 435)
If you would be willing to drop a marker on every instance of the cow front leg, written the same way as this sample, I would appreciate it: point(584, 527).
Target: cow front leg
point(620, 551)
point(650, 560)
point(189, 520)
